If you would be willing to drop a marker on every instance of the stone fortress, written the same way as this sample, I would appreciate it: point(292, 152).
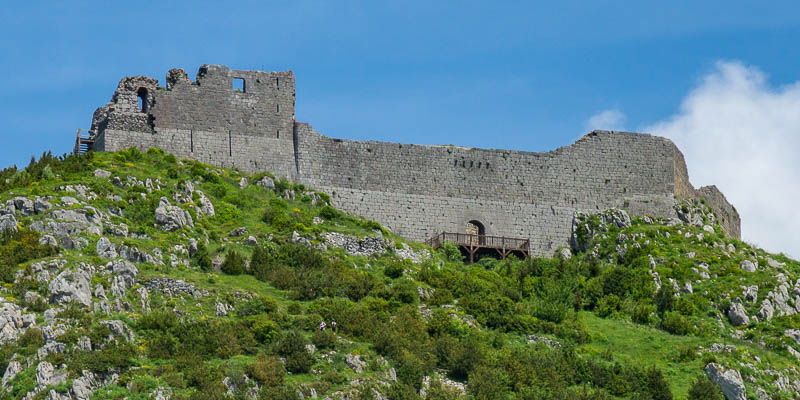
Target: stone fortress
point(245, 119)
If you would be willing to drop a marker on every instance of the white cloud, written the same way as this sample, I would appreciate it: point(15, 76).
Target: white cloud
point(611, 120)
point(742, 134)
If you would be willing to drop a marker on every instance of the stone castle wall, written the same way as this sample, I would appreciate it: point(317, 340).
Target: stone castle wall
point(416, 191)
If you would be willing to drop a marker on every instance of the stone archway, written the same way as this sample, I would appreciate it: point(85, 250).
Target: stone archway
point(477, 229)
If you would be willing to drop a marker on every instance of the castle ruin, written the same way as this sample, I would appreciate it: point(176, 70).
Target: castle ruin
point(245, 119)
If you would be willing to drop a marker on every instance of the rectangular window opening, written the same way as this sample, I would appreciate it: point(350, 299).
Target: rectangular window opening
point(277, 108)
point(278, 135)
point(230, 145)
point(277, 84)
point(191, 140)
point(239, 85)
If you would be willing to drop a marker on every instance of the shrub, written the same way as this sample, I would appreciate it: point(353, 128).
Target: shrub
point(293, 347)
point(607, 305)
point(233, 264)
point(657, 386)
point(323, 339)
point(641, 313)
point(264, 329)
point(665, 299)
point(31, 338)
point(267, 370)
point(329, 213)
point(676, 323)
point(393, 270)
point(202, 259)
point(703, 389)
point(257, 305)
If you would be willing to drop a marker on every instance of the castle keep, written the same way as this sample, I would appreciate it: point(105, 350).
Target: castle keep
point(245, 119)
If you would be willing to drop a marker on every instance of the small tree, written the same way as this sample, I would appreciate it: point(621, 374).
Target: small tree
point(233, 264)
point(665, 299)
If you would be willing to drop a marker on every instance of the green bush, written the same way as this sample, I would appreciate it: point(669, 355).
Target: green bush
point(233, 264)
point(293, 347)
point(665, 299)
point(257, 305)
point(323, 339)
point(675, 323)
point(642, 312)
point(329, 213)
point(267, 370)
point(393, 270)
point(703, 389)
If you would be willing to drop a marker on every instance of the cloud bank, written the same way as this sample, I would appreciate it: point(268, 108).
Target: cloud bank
point(742, 134)
point(611, 120)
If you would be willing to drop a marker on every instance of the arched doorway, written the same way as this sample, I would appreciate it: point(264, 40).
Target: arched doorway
point(476, 230)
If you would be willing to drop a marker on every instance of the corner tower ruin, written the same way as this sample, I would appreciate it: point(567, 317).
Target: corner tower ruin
point(245, 119)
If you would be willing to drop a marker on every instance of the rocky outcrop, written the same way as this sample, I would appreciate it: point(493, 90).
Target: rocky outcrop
point(8, 223)
point(71, 286)
point(172, 218)
point(737, 315)
point(11, 322)
point(266, 183)
point(584, 228)
point(105, 248)
point(728, 380)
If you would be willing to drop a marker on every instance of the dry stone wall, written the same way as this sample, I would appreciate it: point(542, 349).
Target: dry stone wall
point(416, 191)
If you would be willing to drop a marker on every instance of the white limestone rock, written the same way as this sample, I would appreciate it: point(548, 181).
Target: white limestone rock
point(71, 286)
point(172, 218)
point(728, 380)
point(737, 315)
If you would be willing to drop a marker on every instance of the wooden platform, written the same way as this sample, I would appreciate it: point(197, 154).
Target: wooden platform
point(474, 244)
point(83, 143)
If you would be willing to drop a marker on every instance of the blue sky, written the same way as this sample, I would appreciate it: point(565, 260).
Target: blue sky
point(519, 75)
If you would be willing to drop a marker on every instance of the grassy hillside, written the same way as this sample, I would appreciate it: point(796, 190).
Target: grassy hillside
point(139, 276)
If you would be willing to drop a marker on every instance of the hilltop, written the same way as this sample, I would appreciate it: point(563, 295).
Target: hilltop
point(140, 276)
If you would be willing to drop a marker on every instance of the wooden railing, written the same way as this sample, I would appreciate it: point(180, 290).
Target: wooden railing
point(465, 239)
point(83, 143)
point(471, 244)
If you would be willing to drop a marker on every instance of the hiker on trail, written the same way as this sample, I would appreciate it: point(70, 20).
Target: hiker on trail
point(333, 326)
point(322, 326)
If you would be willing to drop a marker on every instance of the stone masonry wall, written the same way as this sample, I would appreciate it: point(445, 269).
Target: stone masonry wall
point(416, 191)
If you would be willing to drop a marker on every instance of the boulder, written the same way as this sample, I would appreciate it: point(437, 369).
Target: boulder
point(192, 247)
point(206, 207)
point(251, 241)
point(767, 310)
point(565, 254)
point(172, 218)
point(10, 322)
point(748, 266)
point(750, 293)
point(48, 240)
point(355, 362)
point(266, 183)
point(82, 387)
point(781, 300)
point(13, 368)
point(47, 375)
point(40, 205)
point(242, 183)
point(124, 277)
point(737, 315)
point(24, 205)
point(71, 286)
point(118, 328)
point(106, 249)
point(8, 223)
point(101, 173)
point(729, 381)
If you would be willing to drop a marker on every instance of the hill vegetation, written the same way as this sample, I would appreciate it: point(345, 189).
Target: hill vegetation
point(139, 276)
